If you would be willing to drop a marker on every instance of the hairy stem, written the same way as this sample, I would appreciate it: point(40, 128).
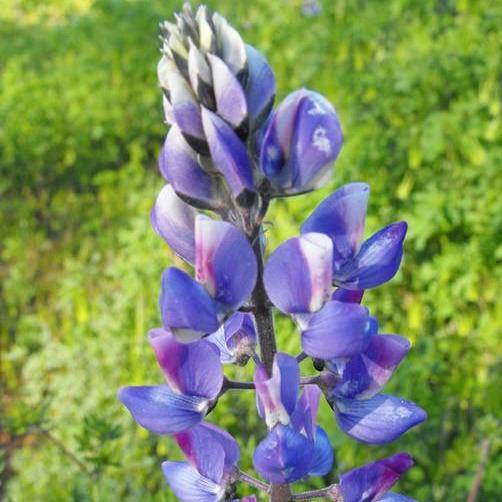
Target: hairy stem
point(246, 478)
point(330, 493)
point(234, 384)
point(263, 312)
point(238, 385)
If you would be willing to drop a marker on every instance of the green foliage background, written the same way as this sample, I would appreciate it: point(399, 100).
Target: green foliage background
point(418, 88)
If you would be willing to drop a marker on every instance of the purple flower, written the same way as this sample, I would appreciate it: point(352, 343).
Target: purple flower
point(295, 446)
point(236, 339)
point(226, 273)
point(360, 410)
point(194, 378)
point(357, 266)
point(338, 330)
point(305, 264)
point(331, 328)
point(225, 157)
point(372, 481)
point(212, 455)
point(301, 142)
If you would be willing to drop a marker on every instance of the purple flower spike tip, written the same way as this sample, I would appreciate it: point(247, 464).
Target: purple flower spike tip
point(301, 142)
point(225, 262)
point(174, 221)
point(372, 481)
point(186, 307)
point(298, 274)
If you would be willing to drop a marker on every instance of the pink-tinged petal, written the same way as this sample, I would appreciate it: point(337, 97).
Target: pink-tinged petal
point(338, 330)
point(225, 262)
point(190, 368)
point(284, 456)
point(228, 443)
point(186, 308)
point(364, 375)
point(162, 411)
point(179, 165)
point(297, 275)
point(260, 87)
point(277, 395)
point(202, 452)
point(348, 296)
point(377, 261)
point(341, 216)
point(378, 420)
point(174, 221)
point(212, 451)
point(230, 157)
point(370, 482)
point(188, 485)
point(301, 142)
point(322, 462)
point(229, 94)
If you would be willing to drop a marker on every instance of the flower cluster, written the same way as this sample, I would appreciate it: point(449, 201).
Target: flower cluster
point(227, 155)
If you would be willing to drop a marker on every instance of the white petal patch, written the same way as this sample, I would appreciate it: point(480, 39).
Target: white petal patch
point(320, 141)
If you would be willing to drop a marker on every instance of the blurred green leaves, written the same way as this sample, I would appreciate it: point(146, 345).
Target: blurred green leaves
point(417, 87)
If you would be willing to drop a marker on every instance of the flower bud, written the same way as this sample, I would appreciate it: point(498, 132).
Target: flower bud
point(301, 142)
point(180, 166)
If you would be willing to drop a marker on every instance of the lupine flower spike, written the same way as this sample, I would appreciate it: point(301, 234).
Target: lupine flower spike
point(228, 153)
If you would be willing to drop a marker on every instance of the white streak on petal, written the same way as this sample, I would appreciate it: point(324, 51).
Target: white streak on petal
point(318, 252)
